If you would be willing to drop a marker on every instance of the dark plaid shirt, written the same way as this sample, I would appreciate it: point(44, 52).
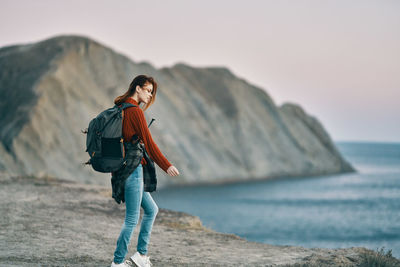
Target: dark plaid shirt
point(134, 152)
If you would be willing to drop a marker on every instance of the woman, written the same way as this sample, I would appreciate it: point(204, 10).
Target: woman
point(142, 89)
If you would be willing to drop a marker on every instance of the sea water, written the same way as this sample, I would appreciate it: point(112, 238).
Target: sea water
point(332, 211)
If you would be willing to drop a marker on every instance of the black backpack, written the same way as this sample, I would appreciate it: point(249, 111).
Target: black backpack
point(104, 140)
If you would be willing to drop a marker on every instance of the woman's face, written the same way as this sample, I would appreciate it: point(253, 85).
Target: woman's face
point(145, 92)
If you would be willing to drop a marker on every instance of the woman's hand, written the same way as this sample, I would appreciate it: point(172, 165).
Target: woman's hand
point(172, 171)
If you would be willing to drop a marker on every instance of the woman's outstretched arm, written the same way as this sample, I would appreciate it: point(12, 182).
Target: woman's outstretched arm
point(139, 124)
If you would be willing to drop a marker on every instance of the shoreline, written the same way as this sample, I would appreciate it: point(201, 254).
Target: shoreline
point(233, 181)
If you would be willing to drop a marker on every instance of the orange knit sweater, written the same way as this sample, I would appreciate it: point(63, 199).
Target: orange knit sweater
point(135, 123)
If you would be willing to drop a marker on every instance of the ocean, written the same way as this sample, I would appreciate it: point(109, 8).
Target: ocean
point(330, 211)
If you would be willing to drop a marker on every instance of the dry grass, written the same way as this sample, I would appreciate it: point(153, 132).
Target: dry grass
point(379, 259)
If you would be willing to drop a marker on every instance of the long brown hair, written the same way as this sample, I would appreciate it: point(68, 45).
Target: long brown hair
point(140, 80)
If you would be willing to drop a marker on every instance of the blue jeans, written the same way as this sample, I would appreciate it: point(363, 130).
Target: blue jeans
point(134, 198)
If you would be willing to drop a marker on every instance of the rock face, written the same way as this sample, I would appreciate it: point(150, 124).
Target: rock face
point(49, 222)
point(209, 123)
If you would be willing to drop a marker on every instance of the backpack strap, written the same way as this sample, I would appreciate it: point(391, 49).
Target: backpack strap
point(126, 105)
point(123, 106)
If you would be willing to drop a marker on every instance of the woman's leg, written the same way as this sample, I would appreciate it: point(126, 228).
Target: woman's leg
point(133, 199)
point(150, 211)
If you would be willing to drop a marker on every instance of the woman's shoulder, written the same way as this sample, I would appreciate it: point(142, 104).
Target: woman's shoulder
point(133, 109)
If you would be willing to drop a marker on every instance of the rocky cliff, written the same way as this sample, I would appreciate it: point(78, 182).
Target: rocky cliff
point(214, 126)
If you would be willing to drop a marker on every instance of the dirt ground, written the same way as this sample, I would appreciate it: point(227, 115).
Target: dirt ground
point(50, 222)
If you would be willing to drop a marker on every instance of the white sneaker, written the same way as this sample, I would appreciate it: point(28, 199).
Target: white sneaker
point(141, 261)
point(123, 264)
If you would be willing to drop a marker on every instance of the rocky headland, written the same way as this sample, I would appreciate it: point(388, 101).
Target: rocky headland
point(213, 125)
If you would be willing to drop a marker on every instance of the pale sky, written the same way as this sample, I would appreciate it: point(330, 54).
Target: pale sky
point(340, 60)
